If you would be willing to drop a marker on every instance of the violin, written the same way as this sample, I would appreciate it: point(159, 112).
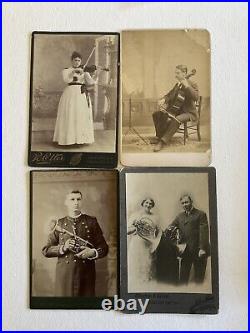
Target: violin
point(92, 68)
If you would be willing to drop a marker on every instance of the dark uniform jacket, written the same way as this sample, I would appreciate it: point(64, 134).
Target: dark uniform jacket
point(74, 276)
point(191, 94)
point(193, 231)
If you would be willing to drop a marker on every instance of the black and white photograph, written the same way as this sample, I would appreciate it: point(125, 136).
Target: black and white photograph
point(74, 99)
point(170, 236)
point(73, 238)
point(165, 98)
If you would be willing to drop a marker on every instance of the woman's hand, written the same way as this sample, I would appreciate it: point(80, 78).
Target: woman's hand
point(78, 71)
point(131, 230)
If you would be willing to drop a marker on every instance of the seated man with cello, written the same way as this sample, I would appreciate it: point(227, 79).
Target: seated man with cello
point(178, 106)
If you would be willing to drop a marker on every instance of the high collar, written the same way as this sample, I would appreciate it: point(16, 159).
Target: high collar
point(189, 212)
point(75, 218)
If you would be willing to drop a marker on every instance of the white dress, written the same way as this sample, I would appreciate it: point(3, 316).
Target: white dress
point(140, 264)
point(74, 123)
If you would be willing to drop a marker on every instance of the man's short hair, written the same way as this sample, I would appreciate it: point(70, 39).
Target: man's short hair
point(186, 195)
point(75, 192)
point(182, 68)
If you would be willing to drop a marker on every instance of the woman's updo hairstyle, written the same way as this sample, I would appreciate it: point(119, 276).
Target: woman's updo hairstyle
point(76, 55)
point(151, 200)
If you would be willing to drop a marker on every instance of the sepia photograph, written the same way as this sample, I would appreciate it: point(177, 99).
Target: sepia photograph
point(171, 240)
point(73, 238)
point(73, 98)
point(166, 118)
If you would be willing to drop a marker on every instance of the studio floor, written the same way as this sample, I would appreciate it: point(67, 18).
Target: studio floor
point(104, 142)
point(132, 143)
point(42, 139)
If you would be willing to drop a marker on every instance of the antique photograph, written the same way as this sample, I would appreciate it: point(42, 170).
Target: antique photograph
point(73, 97)
point(166, 98)
point(73, 237)
point(170, 217)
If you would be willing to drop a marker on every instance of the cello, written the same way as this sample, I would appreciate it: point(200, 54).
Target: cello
point(179, 100)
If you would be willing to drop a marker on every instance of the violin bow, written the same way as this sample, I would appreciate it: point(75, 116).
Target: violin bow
point(91, 53)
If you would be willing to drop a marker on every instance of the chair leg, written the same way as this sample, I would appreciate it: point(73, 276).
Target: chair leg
point(185, 133)
point(198, 132)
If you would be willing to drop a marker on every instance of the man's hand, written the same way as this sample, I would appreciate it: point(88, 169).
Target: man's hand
point(201, 253)
point(181, 248)
point(185, 83)
point(69, 245)
point(86, 253)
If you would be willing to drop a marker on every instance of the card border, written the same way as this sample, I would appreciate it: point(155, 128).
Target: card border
point(90, 303)
point(186, 303)
point(58, 159)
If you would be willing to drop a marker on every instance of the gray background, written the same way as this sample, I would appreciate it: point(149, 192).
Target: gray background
point(227, 24)
point(166, 190)
point(99, 200)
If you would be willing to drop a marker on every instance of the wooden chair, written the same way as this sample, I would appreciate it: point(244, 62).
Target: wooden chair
point(189, 128)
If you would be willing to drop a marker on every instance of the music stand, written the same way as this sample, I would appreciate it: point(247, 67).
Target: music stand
point(131, 129)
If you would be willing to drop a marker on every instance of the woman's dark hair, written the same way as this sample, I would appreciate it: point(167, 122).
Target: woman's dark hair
point(76, 55)
point(151, 200)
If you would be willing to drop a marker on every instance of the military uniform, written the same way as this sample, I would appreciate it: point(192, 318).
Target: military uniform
point(74, 276)
point(193, 227)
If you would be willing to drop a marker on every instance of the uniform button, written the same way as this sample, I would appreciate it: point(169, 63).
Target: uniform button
point(74, 260)
point(82, 223)
point(86, 227)
point(65, 223)
point(66, 256)
point(83, 261)
point(67, 262)
point(88, 236)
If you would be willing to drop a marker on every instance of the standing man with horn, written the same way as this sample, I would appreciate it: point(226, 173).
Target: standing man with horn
point(192, 240)
point(77, 240)
point(178, 107)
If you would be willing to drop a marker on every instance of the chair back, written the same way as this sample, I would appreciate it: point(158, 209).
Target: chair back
point(198, 106)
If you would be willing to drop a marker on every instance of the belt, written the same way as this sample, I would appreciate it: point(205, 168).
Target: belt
point(84, 89)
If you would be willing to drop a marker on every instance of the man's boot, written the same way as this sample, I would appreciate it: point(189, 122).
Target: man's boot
point(159, 146)
point(172, 128)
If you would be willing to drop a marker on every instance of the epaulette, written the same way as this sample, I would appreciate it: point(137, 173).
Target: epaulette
point(52, 225)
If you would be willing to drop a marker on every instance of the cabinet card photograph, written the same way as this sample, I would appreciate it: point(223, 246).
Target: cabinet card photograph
point(73, 238)
point(74, 99)
point(169, 239)
point(165, 98)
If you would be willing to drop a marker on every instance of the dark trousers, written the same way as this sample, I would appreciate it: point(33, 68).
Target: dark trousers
point(165, 262)
point(166, 127)
point(199, 264)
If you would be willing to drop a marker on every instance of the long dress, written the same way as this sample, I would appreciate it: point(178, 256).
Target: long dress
point(74, 123)
point(140, 258)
